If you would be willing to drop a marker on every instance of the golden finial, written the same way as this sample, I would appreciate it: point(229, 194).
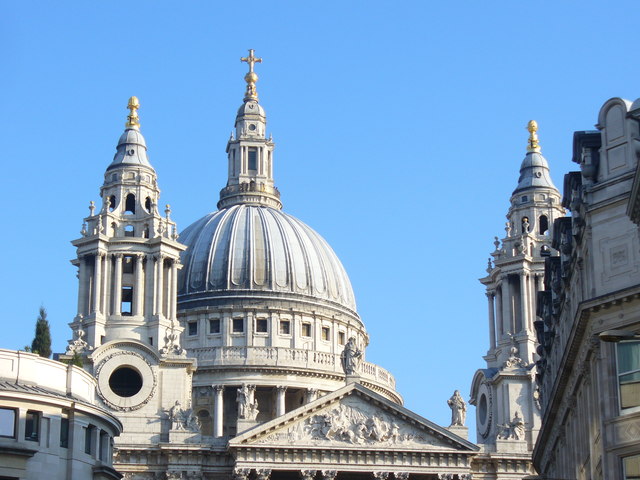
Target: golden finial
point(251, 77)
point(132, 118)
point(533, 145)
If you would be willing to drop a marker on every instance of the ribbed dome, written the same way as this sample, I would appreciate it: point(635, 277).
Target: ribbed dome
point(257, 249)
point(534, 172)
point(131, 150)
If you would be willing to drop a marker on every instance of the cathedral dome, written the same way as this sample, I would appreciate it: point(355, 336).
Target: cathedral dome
point(250, 250)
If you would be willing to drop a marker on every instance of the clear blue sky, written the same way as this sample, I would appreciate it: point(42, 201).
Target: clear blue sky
point(400, 128)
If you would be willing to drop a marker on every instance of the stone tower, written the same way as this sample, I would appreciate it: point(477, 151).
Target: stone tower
point(508, 415)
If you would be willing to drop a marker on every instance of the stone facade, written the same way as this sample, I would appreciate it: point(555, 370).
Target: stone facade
point(51, 423)
point(589, 387)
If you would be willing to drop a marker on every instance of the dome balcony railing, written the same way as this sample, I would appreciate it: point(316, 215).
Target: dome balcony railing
point(286, 357)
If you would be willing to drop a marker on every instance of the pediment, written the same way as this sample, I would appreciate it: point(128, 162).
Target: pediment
point(353, 417)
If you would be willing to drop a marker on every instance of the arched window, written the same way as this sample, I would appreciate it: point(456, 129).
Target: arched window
point(128, 231)
point(543, 225)
point(112, 203)
point(145, 231)
point(130, 204)
point(147, 204)
point(525, 224)
point(113, 229)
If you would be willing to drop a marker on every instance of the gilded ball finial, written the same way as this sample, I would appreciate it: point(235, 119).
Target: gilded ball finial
point(533, 145)
point(251, 77)
point(133, 121)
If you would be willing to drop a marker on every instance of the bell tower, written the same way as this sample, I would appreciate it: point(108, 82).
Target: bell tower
point(504, 392)
point(128, 254)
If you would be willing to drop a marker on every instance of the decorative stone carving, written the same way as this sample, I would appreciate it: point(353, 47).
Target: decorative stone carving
point(171, 345)
point(381, 475)
point(458, 409)
point(465, 476)
point(78, 345)
point(513, 430)
point(401, 475)
point(350, 357)
point(183, 419)
point(247, 404)
point(174, 475)
point(241, 473)
point(308, 474)
point(263, 473)
point(328, 474)
point(311, 394)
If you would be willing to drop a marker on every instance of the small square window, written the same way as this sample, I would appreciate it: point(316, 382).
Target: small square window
point(214, 325)
point(306, 329)
point(325, 333)
point(285, 327)
point(127, 264)
point(261, 325)
point(238, 325)
point(7, 422)
point(192, 328)
point(341, 338)
point(32, 426)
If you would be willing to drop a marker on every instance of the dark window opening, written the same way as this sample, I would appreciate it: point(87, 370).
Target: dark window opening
point(32, 426)
point(127, 300)
point(261, 325)
point(125, 382)
point(341, 338)
point(147, 204)
point(127, 264)
point(214, 325)
point(145, 231)
point(112, 203)
point(88, 439)
point(130, 204)
point(253, 158)
point(7, 422)
point(238, 325)
point(543, 225)
point(306, 329)
point(325, 333)
point(525, 224)
point(128, 231)
point(285, 327)
point(192, 328)
point(151, 341)
point(64, 432)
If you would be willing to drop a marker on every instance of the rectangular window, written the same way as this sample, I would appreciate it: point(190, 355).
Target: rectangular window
point(88, 439)
point(631, 467)
point(64, 432)
point(306, 329)
point(7, 422)
point(285, 327)
point(127, 300)
point(325, 333)
point(341, 338)
point(127, 264)
point(261, 325)
point(214, 325)
point(32, 426)
point(253, 158)
point(238, 325)
point(192, 328)
point(629, 374)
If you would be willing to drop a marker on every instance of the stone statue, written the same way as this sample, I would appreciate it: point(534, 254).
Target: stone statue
point(458, 409)
point(247, 405)
point(350, 357)
point(182, 419)
point(512, 430)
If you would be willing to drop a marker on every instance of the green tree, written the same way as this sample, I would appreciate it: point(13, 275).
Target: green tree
point(42, 341)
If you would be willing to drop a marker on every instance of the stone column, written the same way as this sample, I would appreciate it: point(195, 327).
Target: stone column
point(499, 310)
point(310, 395)
point(280, 400)
point(97, 281)
point(308, 474)
point(117, 285)
point(507, 319)
point(166, 307)
point(159, 283)
point(173, 296)
point(138, 294)
point(106, 290)
point(524, 302)
point(328, 474)
point(492, 320)
point(218, 410)
point(82, 286)
point(149, 294)
point(263, 473)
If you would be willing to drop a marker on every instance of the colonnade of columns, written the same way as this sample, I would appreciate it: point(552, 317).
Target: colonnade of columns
point(154, 285)
point(511, 305)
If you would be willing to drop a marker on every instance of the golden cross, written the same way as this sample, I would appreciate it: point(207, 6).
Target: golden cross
point(251, 60)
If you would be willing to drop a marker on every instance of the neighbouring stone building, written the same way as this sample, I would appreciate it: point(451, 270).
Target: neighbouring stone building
point(51, 422)
point(589, 375)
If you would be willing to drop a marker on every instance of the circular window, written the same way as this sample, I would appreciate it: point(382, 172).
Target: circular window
point(252, 127)
point(125, 382)
point(482, 409)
